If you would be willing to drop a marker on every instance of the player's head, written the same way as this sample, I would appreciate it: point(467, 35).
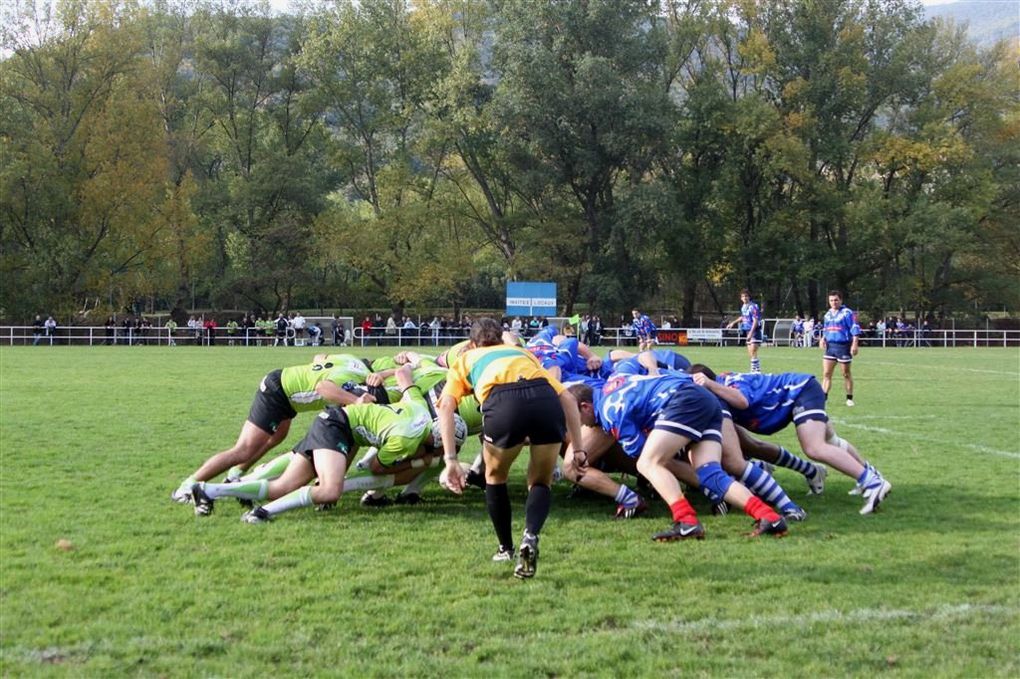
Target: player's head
point(460, 432)
point(585, 398)
point(703, 369)
point(745, 295)
point(635, 313)
point(835, 299)
point(486, 332)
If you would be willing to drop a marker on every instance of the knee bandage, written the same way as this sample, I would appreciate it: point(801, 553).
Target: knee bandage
point(835, 440)
point(714, 481)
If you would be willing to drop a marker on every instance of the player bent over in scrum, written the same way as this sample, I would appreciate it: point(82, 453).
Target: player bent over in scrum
point(402, 433)
point(766, 404)
point(520, 400)
point(676, 414)
point(281, 396)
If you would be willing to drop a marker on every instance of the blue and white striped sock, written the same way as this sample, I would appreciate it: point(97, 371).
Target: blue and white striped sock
point(797, 464)
point(755, 365)
point(626, 497)
point(869, 477)
point(761, 483)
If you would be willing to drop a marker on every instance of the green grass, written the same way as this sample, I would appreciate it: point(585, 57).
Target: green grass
point(94, 439)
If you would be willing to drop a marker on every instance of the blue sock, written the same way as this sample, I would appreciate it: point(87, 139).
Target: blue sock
point(755, 365)
point(797, 464)
point(869, 476)
point(626, 497)
point(761, 483)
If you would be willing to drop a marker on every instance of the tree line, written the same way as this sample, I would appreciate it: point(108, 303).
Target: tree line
point(388, 153)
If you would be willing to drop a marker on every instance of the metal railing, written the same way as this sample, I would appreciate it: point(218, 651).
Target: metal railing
point(20, 335)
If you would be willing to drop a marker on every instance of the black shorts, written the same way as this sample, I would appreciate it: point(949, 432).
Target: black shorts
point(271, 406)
point(330, 430)
point(529, 409)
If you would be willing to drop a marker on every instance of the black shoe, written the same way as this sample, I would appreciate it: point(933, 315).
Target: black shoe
point(203, 503)
point(503, 554)
point(721, 508)
point(370, 499)
point(257, 515)
point(325, 507)
point(408, 499)
point(475, 478)
point(765, 527)
point(681, 531)
point(625, 512)
point(527, 557)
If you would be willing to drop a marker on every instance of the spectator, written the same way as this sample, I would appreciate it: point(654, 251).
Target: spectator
point(336, 329)
point(282, 329)
point(111, 331)
point(38, 328)
point(128, 328)
point(809, 332)
point(51, 328)
point(210, 330)
point(231, 332)
point(144, 326)
point(298, 324)
point(315, 334)
point(366, 329)
point(391, 329)
point(171, 331)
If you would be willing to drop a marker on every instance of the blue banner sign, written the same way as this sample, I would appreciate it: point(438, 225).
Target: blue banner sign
point(528, 298)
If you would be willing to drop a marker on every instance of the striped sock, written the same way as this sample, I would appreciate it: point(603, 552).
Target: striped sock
point(797, 464)
point(626, 497)
point(869, 477)
point(755, 365)
point(761, 483)
point(250, 490)
point(302, 497)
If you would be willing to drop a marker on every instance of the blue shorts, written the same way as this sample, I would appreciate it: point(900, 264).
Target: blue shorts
point(756, 338)
point(693, 412)
point(838, 351)
point(810, 404)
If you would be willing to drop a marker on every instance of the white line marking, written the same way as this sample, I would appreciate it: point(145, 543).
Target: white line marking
point(830, 616)
point(927, 439)
point(943, 367)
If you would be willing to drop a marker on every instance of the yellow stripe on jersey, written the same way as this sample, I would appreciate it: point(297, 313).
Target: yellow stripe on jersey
point(479, 370)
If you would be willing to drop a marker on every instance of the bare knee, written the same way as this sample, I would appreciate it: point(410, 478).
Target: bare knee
point(326, 494)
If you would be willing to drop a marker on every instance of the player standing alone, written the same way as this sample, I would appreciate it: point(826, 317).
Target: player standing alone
point(840, 332)
point(750, 327)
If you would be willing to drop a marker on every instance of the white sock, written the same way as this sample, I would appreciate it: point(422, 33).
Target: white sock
point(302, 497)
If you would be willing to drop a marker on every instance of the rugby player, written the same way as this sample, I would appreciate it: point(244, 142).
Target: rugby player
point(840, 333)
point(766, 404)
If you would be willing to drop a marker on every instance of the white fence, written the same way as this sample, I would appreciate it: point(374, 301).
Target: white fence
point(20, 335)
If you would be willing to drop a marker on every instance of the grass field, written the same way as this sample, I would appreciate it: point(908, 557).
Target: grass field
point(94, 439)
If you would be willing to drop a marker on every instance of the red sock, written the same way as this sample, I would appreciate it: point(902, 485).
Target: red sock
point(757, 509)
point(683, 511)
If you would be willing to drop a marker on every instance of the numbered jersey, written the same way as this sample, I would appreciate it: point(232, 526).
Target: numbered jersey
point(628, 405)
point(299, 381)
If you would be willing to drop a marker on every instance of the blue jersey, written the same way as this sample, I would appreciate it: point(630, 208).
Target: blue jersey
point(750, 316)
point(770, 397)
point(628, 405)
point(840, 325)
point(541, 345)
point(643, 326)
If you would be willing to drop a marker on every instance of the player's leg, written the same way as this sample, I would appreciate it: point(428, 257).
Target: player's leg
point(497, 497)
point(659, 450)
point(599, 447)
point(249, 442)
point(813, 435)
point(778, 455)
point(299, 472)
point(756, 479)
point(828, 366)
point(848, 382)
point(752, 353)
point(717, 485)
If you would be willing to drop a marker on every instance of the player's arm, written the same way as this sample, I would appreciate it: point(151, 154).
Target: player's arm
point(594, 442)
point(731, 395)
point(454, 473)
point(647, 360)
point(332, 393)
point(579, 456)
